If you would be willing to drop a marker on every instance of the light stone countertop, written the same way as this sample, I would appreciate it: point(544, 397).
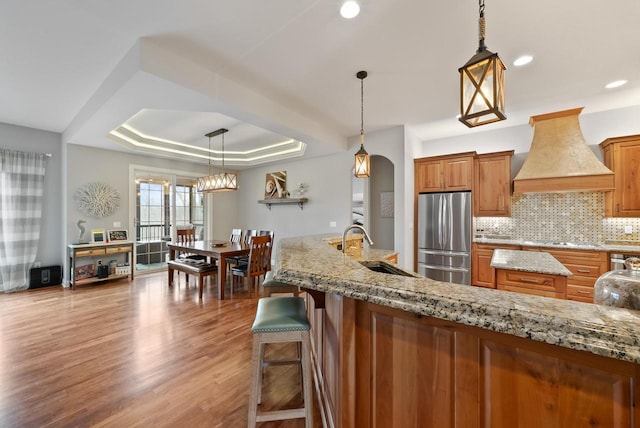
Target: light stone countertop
point(310, 262)
point(528, 261)
point(610, 246)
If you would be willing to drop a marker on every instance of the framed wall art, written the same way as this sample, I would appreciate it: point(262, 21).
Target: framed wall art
point(117, 235)
point(275, 186)
point(98, 235)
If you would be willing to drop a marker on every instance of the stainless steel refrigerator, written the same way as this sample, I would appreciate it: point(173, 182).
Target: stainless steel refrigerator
point(444, 236)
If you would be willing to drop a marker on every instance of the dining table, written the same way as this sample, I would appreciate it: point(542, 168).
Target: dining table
point(219, 250)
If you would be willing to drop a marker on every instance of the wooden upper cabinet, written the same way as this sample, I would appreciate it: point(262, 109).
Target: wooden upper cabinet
point(444, 173)
point(622, 156)
point(492, 185)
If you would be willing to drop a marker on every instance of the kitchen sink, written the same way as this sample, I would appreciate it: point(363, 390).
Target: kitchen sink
point(383, 267)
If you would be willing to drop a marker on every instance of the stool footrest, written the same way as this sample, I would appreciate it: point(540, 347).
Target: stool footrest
point(286, 362)
point(278, 415)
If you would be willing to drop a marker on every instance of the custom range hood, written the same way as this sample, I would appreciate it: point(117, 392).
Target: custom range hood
point(559, 159)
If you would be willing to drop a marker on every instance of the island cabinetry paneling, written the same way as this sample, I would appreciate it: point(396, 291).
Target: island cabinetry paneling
point(622, 156)
point(444, 173)
point(586, 267)
point(492, 185)
point(423, 372)
point(482, 274)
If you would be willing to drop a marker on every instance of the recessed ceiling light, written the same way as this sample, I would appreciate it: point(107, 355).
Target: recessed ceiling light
point(615, 84)
point(350, 9)
point(522, 60)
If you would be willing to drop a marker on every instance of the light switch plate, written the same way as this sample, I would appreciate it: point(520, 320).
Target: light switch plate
point(332, 224)
point(628, 229)
point(117, 224)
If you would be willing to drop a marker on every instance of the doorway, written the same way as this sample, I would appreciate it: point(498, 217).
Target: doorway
point(163, 202)
point(373, 203)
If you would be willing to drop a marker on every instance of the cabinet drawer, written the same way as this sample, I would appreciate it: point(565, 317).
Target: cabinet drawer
point(122, 249)
point(526, 280)
point(90, 252)
point(580, 294)
point(584, 270)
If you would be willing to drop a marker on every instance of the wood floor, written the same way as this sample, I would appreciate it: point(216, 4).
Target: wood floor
point(128, 354)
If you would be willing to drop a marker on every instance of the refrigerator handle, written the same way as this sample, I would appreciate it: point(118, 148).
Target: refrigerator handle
point(440, 219)
point(446, 223)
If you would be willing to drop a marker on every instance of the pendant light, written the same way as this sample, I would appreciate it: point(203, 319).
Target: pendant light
point(363, 163)
point(482, 84)
point(220, 182)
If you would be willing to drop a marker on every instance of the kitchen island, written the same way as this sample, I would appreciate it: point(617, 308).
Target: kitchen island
point(397, 351)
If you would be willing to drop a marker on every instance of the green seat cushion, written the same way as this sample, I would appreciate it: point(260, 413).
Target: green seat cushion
point(270, 282)
point(277, 314)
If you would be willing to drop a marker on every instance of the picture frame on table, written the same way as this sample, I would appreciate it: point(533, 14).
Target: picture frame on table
point(98, 235)
point(115, 235)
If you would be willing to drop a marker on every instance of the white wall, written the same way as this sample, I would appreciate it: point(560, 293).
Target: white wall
point(381, 180)
point(51, 247)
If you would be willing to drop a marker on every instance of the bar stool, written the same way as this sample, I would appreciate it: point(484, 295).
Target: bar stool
point(271, 286)
point(280, 319)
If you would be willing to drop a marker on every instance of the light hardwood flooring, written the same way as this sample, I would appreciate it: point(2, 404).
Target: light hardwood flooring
point(133, 354)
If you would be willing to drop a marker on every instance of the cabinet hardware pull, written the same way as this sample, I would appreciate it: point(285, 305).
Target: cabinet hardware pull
point(533, 281)
point(583, 292)
point(584, 271)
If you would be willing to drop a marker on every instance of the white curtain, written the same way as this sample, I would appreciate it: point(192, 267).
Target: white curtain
point(21, 193)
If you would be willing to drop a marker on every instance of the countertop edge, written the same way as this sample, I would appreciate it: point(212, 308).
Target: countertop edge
point(610, 332)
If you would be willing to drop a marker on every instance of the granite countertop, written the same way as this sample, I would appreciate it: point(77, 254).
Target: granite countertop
point(310, 262)
point(528, 261)
point(609, 246)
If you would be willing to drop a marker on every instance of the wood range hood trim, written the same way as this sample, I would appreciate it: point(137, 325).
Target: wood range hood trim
point(559, 159)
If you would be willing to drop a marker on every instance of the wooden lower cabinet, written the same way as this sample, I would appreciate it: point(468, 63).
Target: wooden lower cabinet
point(482, 274)
point(390, 368)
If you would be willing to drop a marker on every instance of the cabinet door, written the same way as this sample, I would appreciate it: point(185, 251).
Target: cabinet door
point(429, 176)
point(482, 274)
point(458, 173)
point(492, 187)
point(627, 179)
point(622, 156)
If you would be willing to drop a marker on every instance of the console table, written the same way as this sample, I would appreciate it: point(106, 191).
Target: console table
point(99, 251)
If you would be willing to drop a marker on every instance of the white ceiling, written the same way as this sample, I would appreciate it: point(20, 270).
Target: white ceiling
point(286, 68)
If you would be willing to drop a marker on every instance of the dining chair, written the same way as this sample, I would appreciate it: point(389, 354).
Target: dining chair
point(236, 235)
point(256, 266)
point(245, 239)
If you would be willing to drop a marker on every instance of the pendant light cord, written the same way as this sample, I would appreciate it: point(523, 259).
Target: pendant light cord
point(482, 26)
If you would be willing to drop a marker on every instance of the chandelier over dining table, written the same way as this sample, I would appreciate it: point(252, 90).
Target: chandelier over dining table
point(223, 181)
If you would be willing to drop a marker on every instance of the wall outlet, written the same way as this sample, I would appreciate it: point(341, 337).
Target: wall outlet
point(117, 224)
point(628, 229)
point(36, 264)
point(332, 224)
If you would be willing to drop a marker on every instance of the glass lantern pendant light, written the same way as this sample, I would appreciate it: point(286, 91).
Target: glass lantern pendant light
point(482, 84)
point(217, 182)
point(363, 164)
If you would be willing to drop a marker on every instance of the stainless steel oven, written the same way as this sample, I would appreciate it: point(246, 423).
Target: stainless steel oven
point(617, 260)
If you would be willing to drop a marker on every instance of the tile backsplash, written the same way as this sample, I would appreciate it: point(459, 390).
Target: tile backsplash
point(571, 217)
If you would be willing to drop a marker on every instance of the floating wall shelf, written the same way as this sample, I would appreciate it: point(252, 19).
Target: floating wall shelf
point(269, 202)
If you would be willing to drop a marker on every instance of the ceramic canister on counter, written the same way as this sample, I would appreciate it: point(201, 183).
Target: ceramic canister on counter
point(620, 288)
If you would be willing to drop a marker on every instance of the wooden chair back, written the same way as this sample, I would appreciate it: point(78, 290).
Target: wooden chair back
point(271, 234)
point(258, 256)
point(186, 236)
point(236, 235)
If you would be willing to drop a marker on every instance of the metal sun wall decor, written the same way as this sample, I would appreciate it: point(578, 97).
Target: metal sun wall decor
point(275, 186)
point(97, 199)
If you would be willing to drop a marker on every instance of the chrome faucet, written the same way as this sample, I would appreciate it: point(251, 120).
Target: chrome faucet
point(354, 226)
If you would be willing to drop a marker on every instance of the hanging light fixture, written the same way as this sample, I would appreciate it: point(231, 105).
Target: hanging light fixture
point(482, 84)
point(363, 163)
point(217, 182)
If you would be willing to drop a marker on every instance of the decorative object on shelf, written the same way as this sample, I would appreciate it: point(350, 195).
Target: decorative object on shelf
point(97, 199)
point(284, 201)
point(83, 272)
point(98, 235)
point(362, 161)
point(80, 231)
point(117, 235)
point(275, 186)
point(482, 84)
point(301, 189)
point(222, 181)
